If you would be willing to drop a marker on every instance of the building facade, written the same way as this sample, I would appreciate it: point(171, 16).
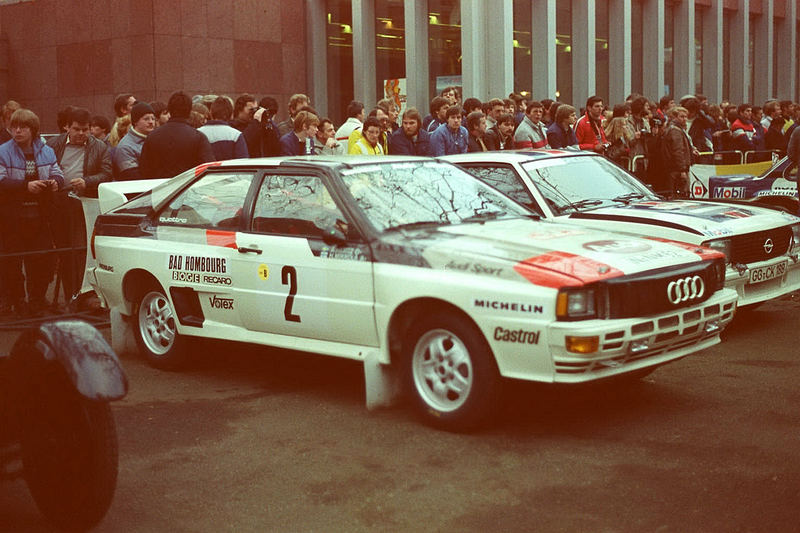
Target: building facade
point(56, 53)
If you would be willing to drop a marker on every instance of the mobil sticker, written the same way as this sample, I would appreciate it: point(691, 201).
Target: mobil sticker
point(729, 193)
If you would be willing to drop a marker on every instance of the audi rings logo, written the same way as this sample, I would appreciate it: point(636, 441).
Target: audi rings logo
point(684, 289)
point(768, 246)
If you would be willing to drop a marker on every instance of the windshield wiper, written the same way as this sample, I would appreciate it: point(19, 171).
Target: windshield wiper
point(586, 203)
point(625, 198)
point(483, 217)
point(418, 224)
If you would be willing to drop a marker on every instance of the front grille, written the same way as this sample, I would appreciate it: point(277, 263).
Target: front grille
point(749, 248)
point(687, 329)
point(647, 294)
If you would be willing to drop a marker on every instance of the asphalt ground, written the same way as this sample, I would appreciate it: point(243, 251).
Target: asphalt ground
point(251, 439)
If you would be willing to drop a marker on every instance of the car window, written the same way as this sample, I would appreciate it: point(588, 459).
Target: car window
point(402, 195)
point(574, 183)
point(296, 205)
point(213, 201)
point(505, 180)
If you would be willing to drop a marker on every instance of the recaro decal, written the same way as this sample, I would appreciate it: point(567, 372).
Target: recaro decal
point(563, 269)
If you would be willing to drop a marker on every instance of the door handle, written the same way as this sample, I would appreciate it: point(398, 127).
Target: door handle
point(247, 250)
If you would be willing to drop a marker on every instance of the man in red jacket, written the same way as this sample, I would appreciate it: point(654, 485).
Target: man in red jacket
point(589, 128)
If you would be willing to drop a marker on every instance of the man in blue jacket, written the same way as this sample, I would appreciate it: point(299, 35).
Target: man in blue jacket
point(410, 139)
point(29, 175)
point(451, 137)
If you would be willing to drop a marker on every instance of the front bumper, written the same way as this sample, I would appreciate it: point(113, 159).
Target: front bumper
point(631, 344)
point(753, 293)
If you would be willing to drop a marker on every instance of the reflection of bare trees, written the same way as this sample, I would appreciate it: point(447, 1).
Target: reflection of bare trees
point(422, 193)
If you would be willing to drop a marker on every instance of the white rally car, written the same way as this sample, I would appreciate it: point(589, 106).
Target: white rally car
point(432, 278)
point(761, 245)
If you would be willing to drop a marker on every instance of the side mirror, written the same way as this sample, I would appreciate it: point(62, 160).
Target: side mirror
point(790, 172)
point(334, 236)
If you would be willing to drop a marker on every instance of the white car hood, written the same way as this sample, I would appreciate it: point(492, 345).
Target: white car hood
point(704, 218)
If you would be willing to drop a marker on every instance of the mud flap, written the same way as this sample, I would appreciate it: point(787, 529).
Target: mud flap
point(382, 382)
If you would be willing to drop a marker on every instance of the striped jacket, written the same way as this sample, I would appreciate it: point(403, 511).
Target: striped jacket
point(226, 141)
point(530, 135)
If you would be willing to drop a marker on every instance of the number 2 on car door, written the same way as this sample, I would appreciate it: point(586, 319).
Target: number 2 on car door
point(289, 277)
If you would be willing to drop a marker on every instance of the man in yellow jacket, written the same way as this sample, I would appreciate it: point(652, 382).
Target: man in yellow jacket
point(369, 142)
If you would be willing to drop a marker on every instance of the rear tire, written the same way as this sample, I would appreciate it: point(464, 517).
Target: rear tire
point(156, 331)
point(69, 452)
point(451, 373)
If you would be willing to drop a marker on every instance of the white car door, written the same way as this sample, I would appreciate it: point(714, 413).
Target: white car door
point(289, 280)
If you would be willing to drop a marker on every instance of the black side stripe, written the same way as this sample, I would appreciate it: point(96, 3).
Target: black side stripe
point(637, 220)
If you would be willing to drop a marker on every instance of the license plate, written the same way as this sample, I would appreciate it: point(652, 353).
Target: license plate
point(766, 273)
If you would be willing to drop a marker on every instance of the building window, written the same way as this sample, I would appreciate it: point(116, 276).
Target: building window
point(698, 49)
point(390, 40)
point(564, 53)
point(601, 50)
point(523, 44)
point(340, 57)
point(637, 73)
point(669, 42)
point(444, 45)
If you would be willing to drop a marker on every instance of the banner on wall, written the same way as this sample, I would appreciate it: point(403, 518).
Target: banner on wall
point(447, 81)
point(395, 90)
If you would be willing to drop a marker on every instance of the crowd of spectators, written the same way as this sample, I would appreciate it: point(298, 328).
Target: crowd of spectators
point(658, 141)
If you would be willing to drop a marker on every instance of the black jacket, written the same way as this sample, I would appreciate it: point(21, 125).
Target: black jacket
point(96, 161)
point(399, 144)
point(173, 148)
point(262, 139)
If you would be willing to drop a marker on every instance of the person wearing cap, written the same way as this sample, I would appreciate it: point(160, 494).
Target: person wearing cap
point(176, 146)
point(125, 162)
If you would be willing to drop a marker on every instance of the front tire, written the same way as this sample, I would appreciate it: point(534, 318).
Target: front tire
point(156, 331)
point(451, 373)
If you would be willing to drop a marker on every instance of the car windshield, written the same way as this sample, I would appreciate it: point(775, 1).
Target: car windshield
point(416, 194)
point(584, 182)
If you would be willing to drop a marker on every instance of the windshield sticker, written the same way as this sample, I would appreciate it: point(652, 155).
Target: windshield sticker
point(545, 163)
point(617, 246)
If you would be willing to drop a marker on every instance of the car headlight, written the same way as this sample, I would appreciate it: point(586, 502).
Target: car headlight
point(576, 304)
point(795, 236)
point(720, 245)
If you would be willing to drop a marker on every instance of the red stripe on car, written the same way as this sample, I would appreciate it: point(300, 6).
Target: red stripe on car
point(199, 169)
point(226, 239)
point(562, 269)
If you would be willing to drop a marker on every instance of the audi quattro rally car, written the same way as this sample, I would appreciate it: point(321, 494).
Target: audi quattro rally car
point(775, 187)
point(761, 245)
point(408, 264)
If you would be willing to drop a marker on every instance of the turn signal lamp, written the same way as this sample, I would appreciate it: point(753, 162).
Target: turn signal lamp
point(582, 344)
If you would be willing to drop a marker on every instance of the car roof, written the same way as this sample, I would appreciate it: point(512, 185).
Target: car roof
point(321, 161)
point(515, 156)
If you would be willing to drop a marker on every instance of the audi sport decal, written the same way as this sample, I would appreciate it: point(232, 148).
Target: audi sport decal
point(226, 239)
point(474, 268)
point(563, 269)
